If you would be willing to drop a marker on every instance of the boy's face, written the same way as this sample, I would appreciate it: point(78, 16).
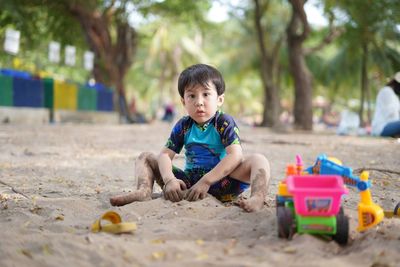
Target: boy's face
point(201, 103)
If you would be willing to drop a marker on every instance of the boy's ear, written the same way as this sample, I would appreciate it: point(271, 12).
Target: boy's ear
point(183, 101)
point(220, 100)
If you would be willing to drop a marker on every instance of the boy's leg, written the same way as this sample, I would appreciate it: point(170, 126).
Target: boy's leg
point(146, 170)
point(256, 170)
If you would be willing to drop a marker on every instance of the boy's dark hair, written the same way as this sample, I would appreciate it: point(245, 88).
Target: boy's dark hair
point(395, 86)
point(200, 74)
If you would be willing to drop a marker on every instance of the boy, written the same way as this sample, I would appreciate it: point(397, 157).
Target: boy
point(214, 160)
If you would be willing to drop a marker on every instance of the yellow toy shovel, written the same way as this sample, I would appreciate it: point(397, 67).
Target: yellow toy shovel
point(115, 227)
point(369, 213)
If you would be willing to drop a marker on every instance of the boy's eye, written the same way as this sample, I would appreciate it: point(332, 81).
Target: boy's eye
point(206, 94)
point(191, 96)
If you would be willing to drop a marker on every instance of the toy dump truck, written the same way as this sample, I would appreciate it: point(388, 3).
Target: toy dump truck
point(315, 207)
point(309, 201)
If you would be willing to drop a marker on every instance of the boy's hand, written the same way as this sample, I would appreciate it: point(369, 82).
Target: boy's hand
point(197, 191)
point(173, 190)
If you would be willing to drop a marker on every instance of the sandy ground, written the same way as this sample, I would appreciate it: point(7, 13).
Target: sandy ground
point(68, 173)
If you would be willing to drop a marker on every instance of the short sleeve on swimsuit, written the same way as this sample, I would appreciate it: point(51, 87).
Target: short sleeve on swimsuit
point(227, 129)
point(176, 140)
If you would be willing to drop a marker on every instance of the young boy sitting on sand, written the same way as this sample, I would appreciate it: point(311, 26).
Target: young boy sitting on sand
point(214, 160)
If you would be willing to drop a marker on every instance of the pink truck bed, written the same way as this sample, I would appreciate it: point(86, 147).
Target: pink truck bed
point(316, 195)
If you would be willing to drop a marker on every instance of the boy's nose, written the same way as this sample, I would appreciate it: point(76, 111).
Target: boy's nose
point(199, 102)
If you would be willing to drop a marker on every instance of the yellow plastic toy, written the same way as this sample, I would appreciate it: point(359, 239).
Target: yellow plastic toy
point(115, 227)
point(369, 213)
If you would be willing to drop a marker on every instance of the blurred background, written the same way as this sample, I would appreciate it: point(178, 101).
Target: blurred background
point(293, 62)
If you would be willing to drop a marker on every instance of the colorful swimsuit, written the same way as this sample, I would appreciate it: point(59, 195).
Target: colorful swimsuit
point(205, 147)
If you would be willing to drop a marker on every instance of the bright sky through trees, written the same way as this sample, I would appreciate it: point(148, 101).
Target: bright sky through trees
point(219, 12)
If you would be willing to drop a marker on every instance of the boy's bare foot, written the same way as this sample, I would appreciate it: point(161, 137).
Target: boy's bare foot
point(254, 203)
point(138, 195)
point(258, 193)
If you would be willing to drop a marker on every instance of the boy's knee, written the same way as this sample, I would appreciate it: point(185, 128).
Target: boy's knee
point(258, 161)
point(147, 156)
point(148, 159)
point(259, 158)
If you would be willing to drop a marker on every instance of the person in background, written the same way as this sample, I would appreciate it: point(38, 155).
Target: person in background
point(135, 115)
point(132, 106)
point(169, 112)
point(329, 117)
point(386, 120)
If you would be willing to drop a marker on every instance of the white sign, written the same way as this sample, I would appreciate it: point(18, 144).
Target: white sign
point(54, 52)
point(11, 43)
point(88, 58)
point(70, 52)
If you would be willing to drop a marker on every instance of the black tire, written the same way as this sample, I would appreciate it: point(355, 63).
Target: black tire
point(342, 229)
point(341, 211)
point(396, 210)
point(285, 222)
point(278, 204)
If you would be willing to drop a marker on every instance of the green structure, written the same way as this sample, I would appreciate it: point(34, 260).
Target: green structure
point(48, 93)
point(6, 91)
point(87, 98)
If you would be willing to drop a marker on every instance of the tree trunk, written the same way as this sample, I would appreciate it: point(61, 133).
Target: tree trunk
point(364, 83)
point(113, 58)
point(303, 89)
point(297, 32)
point(271, 97)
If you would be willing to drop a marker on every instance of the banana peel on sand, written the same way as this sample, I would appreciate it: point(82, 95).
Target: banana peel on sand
point(116, 226)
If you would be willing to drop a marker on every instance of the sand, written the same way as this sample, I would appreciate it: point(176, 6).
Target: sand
point(63, 176)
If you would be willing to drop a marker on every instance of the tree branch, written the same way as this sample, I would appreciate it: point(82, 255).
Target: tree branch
point(109, 10)
point(14, 189)
point(299, 13)
point(359, 170)
point(332, 35)
point(259, 29)
point(276, 48)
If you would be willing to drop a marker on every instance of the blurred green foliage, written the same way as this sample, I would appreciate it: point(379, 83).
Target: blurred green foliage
point(177, 33)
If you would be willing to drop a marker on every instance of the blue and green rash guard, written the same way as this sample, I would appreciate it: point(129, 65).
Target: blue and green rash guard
point(205, 145)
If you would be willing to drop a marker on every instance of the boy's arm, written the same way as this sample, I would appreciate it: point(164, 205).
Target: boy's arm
point(173, 188)
point(233, 158)
point(165, 164)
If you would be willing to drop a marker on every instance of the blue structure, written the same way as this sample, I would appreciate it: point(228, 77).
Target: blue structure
point(28, 92)
point(105, 100)
point(21, 89)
